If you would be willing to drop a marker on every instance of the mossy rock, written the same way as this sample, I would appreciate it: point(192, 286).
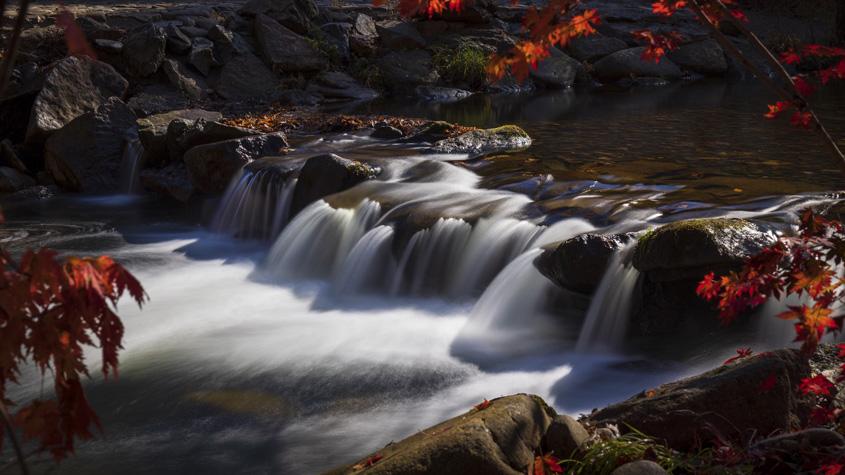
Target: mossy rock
point(478, 143)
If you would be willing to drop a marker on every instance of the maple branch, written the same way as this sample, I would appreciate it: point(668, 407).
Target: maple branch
point(7, 421)
point(12, 48)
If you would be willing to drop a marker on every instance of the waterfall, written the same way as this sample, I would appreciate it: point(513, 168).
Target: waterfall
point(130, 164)
point(369, 265)
point(256, 205)
point(607, 318)
point(428, 255)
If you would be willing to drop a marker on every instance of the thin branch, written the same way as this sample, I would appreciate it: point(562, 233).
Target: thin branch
point(10, 428)
point(12, 48)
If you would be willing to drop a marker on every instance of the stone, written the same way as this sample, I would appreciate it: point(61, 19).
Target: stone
point(9, 157)
point(703, 57)
point(285, 51)
point(477, 143)
point(86, 154)
point(325, 175)
point(565, 436)
point(296, 15)
point(171, 181)
point(96, 30)
point(213, 165)
point(109, 46)
point(640, 467)
point(245, 76)
point(782, 453)
point(183, 134)
point(405, 70)
point(202, 56)
point(727, 399)
point(385, 131)
point(74, 86)
point(337, 35)
point(152, 131)
point(364, 36)
point(194, 32)
point(339, 86)
point(143, 50)
point(157, 98)
point(183, 80)
point(443, 95)
point(629, 63)
point(558, 71)
point(399, 35)
point(177, 41)
point(12, 180)
point(498, 440)
point(594, 47)
point(579, 263)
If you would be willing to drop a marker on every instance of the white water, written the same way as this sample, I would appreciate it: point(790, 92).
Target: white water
point(255, 205)
point(130, 165)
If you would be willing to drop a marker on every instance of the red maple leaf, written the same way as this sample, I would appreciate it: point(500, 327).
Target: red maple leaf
point(803, 87)
point(482, 405)
point(817, 385)
point(741, 353)
point(831, 469)
point(801, 119)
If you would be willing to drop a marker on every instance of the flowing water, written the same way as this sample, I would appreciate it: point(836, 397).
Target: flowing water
point(275, 343)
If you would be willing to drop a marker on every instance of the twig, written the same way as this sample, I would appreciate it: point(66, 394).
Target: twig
point(7, 422)
point(12, 48)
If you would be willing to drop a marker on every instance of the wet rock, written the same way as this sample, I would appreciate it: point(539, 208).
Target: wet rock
point(186, 82)
point(399, 35)
point(441, 94)
point(558, 71)
point(565, 436)
point(152, 132)
point(364, 35)
point(143, 50)
point(579, 263)
point(12, 180)
point(704, 57)
point(339, 86)
point(498, 440)
point(629, 63)
point(171, 181)
point(185, 133)
point(405, 70)
point(592, 48)
point(73, 87)
point(246, 77)
point(385, 131)
point(285, 51)
point(296, 15)
point(728, 399)
point(477, 143)
point(325, 175)
point(177, 41)
point(211, 166)
point(86, 154)
point(640, 467)
point(202, 56)
point(432, 132)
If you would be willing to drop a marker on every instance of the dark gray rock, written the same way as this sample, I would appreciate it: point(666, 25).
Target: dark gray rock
point(558, 71)
point(296, 15)
point(441, 94)
point(640, 467)
point(339, 86)
point(565, 436)
point(212, 166)
point(183, 134)
point(152, 132)
point(74, 86)
point(594, 47)
point(9, 157)
point(171, 181)
point(703, 57)
point(284, 50)
point(385, 131)
point(86, 154)
point(109, 46)
point(12, 180)
point(202, 56)
point(177, 41)
point(478, 143)
point(325, 175)
point(405, 70)
point(96, 30)
point(363, 37)
point(194, 32)
point(143, 50)
point(157, 98)
point(182, 79)
point(399, 35)
point(629, 63)
point(337, 34)
point(579, 263)
point(245, 76)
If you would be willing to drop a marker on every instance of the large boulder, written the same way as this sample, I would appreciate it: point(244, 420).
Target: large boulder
point(593, 47)
point(629, 63)
point(285, 51)
point(143, 50)
point(478, 143)
point(579, 263)
point(297, 15)
point(405, 70)
point(500, 439)
point(152, 131)
point(399, 35)
point(325, 175)
point(337, 35)
point(704, 57)
point(339, 86)
point(363, 36)
point(86, 154)
point(211, 166)
point(74, 86)
point(184, 133)
point(245, 76)
point(558, 71)
point(754, 396)
point(565, 436)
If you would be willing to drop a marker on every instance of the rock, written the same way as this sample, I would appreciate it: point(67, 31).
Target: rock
point(171, 181)
point(692, 248)
point(183, 80)
point(498, 440)
point(157, 98)
point(184, 134)
point(477, 143)
point(36, 192)
point(327, 174)
point(152, 132)
point(704, 57)
point(202, 56)
point(558, 71)
point(177, 41)
point(565, 436)
point(579, 263)
point(194, 32)
point(246, 77)
point(728, 399)
point(405, 70)
point(444, 95)
point(337, 34)
point(85, 155)
point(629, 63)
point(339, 86)
point(74, 86)
point(9, 157)
point(640, 467)
point(109, 46)
point(399, 35)
point(296, 15)
point(12, 180)
point(211, 166)
point(363, 36)
point(591, 48)
point(385, 131)
point(96, 30)
point(782, 453)
point(285, 51)
point(143, 50)
point(432, 132)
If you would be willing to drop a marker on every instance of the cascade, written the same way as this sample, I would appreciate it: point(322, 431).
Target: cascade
point(130, 164)
point(256, 205)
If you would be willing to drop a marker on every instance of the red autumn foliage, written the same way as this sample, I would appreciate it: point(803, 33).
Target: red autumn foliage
point(817, 385)
point(482, 405)
point(50, 309)
point(741, 354)
point(546, 464)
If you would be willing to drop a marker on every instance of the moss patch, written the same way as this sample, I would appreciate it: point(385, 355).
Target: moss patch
point(465, 65)
point(509, 131)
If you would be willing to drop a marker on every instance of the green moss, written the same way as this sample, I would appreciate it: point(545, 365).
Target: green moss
point(367, 73)
point(509, 131)
point(702, 224)
point(465, 65)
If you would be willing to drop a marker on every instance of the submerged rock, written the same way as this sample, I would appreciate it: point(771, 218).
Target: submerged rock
point(212, 166)
point(579, 263)
point(629, 63)
point(477, 143)
point(754, 396)
point(498, 440)
point(325, 175)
